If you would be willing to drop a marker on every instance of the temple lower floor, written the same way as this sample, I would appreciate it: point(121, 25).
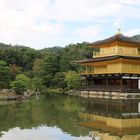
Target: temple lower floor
point(112, 82)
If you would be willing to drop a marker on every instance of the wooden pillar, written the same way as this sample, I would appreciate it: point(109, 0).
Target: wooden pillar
point(92, 70)
point(121, 83)
point(138, 82)
point(92, 81)
point(107, 81)
point(130, 82)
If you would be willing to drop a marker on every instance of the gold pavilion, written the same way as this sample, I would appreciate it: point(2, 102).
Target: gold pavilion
point(114, 70)
point(110, 87)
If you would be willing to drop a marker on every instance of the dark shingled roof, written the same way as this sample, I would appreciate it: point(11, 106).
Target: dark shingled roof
point(117, 37)
point(106, 59)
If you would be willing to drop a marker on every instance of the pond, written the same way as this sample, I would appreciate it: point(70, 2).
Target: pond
point(59, 117)
point(55, 117)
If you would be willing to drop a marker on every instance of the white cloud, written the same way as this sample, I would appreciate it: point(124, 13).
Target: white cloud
point(83, 9)
point(38, 23)
point(89, 33)
point(118, 23)
point(27, 22)
point(129, 2)
point(132, 32)
point(89, 10)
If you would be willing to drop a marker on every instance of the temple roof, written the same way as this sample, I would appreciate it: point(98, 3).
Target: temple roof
point(117, 37)
point(98, 59)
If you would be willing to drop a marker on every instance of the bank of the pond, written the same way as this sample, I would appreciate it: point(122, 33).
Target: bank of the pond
point(7, 95)
point(11, 95)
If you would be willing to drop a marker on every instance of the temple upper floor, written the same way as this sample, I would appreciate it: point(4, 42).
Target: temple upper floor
point(117, 50)
point(116, 45)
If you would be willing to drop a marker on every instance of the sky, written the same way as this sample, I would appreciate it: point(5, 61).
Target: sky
point(47, 23)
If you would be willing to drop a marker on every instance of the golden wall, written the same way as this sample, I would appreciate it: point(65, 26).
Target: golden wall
point(100, 69)
point(131, 68)
point(113, 68)
point(116, 50)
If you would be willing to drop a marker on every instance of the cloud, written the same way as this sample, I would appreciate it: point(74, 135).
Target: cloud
point(83, 9)
point(89, 33)
point(27, 22)
point(89, 10)
point(41, 23)
point(117, 23)
point(129, 2)
point(132, 32)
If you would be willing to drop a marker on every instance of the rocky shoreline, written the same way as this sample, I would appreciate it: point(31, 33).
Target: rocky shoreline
point(10, 95)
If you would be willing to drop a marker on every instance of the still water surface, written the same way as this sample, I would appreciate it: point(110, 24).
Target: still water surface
point(52, 118)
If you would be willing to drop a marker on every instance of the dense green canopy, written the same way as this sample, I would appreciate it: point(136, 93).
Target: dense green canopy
point(54, 66)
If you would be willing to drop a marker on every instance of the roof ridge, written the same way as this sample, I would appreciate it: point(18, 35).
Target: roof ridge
point(116, 37)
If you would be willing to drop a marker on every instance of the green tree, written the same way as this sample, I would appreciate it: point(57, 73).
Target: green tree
point(74, 52)
point(50, 68)
point(20, 56)
point(15, 71)
point(73, 79)
point(38, 67)
point(21, 84)
point(59, 80)
point(5, 74)
point(36, 83)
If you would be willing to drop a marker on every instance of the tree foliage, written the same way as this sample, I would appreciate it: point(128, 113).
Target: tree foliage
point(59, 80)
point(20, 56)
point(52, 67)
point(5, 74)
point(71, 53)
point(72, 79)
point(38, 67)
point(36, 84)
point(21, 84)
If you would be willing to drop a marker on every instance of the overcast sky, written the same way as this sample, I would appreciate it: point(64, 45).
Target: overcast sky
point(46, 23)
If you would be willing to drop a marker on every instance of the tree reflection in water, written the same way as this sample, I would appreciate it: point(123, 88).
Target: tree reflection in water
point(53, 113)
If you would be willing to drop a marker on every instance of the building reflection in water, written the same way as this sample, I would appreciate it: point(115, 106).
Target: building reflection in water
point(111, 119)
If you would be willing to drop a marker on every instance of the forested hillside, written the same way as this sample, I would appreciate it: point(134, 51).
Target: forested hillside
point(136, 38)
point(27, 68)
